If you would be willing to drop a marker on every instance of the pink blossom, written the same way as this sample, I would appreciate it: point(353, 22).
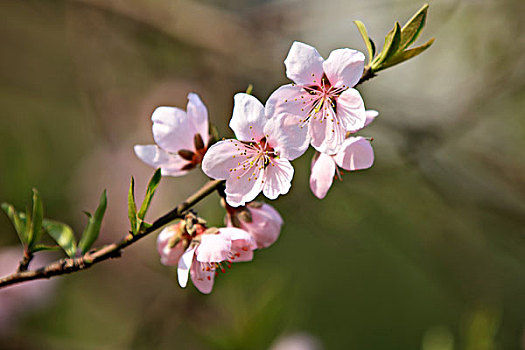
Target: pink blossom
point(356, 153)
point(260, 159)
point(182, 138)
point(201, 255)
point(260, 220)
point(322, 98)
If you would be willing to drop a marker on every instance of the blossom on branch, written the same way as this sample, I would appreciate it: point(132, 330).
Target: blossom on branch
point(182, 138)
point(260, 220)
point(259, 160)
point(322, 103)
point(201, 253)
point(356, 153)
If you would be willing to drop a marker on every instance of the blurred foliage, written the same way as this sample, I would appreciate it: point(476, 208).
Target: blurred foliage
point(426, 250)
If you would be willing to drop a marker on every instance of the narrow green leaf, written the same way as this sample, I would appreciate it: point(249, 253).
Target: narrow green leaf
point(18, 224)
point(35, 231)
point(370, 47)
point(62, 234)
point(152, 186)
point(413, 27)
point(92, 230)
point(132, 206)
point(249, 89)
point(43, 247)
point(214, 135)
point(406, 55)
point(390, 47)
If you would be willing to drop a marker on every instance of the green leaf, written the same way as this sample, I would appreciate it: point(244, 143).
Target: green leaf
point(62, 234)
point(152, 186)
point(249, 89)
point(43, 247)
point(35, 228)
point(406, 55)
point(92, 230)
point(370, 47)
point(132, 207)
point(18, 224)
point(413, 27)
point(390, 47)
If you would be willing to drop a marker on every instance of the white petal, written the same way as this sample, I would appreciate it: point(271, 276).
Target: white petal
point(327, 131)
point(371, 115)
point(198, 116)
point(351, 110)
point(245, 188)
point(221, 158)
point(171, 164)
point(171, 129)
point(248, 118)
point(322, 175)
point(213, 248)
point(344, 67)
point(355, 154)
point(304, 65)
point(287, 136)
point(278, 179)
point(289, 99)
point(202, 279)
point(184, 267)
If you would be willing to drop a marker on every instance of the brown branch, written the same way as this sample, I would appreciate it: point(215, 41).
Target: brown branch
point(66, 266)
point(24, 263)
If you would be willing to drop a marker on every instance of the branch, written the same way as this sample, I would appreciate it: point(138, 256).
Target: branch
point(69, 265)
point(66, 266)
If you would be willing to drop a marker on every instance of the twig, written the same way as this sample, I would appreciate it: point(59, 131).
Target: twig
point(66, 266)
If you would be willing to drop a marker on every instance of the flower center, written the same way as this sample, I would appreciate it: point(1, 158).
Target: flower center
point(253, 157)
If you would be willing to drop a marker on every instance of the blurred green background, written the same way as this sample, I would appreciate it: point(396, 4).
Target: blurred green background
point(426, 250)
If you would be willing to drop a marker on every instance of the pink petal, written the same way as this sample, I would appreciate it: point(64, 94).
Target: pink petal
point(244, 189)
point(304, 65)
point(184, 266)
point(198, 116)
point(356, 153)
point(344, 67)
point(278, 179)
point(289, 100)
point(202, 279)
point(351, 110)
point(213, 248)
point(326, 135)
point(286, 136)
point(322, 176)
point(243, 243)
point(171, 129)
point(265, 225)
point(248, 118)
point(169, 256)
point(170, 164)
point(370, 117)
point(221, 157)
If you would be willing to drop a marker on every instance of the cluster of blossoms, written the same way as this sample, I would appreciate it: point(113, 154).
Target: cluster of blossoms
point(320, 108)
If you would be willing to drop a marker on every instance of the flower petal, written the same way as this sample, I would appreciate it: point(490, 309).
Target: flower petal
point(243, 243)
point(169, 256)
point(289, 99)
point(304, 65)
point(171, 129)
point(248, 118)
point(243, 189)
point(184, 267)
point(278, 179)
point(265, 225)
point(202, 279)
point(371, 115)
point(327, 131)
point(213, 248)
point(170, 164)
point(287, 136)
point(198, 116)
point(344, 67)
point(223, 156)
point(356, 153)
point(322, 175)
point(351, 110)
